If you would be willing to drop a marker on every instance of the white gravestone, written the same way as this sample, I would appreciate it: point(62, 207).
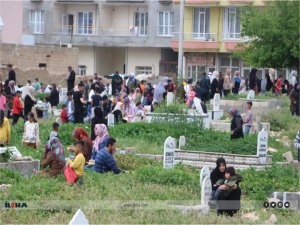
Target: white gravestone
point(262, 146)
point(170, 98)
point(111, 120)
point(216, 105)
point(169, 153)
point(79, 219)
point(197, 103)
point(181, 142)
point(205, 191)
point(251, 95)
point(14, 151)
point(63, 95)
point(205, 172)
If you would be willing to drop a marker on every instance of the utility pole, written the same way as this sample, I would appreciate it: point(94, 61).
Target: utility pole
point(181, 37)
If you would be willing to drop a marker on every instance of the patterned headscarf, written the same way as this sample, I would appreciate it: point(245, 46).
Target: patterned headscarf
point(55, 147)
point(101, 133)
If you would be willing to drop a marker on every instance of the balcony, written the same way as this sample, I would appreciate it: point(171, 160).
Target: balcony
point(198, 2)
point(74, 1)
point(197, 41)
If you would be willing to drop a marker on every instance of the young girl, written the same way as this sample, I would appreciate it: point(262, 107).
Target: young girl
point(78, 162)
point(191, 95)
point(31, 132)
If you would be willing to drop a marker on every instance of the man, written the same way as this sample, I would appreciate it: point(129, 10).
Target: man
point(71, 78)
point(78, 104)
point(236, 82)
point(205, 87)
point(106, 106)
point(116, 83)
point(248, 120)
point(105, 161)
point(11, 73)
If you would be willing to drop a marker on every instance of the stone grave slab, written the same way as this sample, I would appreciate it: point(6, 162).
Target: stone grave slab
point(79, 219)
point(205, 191)
point(205, 172)
point(262, 146)
point(197, 103)
point(216, 102)
point(170, 98)
point(111, 120)
point(181, 142)
point(169, 153)
point(14, 151)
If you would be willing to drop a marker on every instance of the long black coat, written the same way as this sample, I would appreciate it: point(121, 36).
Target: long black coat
point(237, 127)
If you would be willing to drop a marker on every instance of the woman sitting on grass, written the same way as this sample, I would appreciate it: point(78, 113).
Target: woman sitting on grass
point(54, 157)
point(80, 134)
point(31, 136)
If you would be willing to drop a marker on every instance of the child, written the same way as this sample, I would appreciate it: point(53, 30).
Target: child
point(226, 186)
point(18, 107)
point(191, 96)
point(70, 106)
point(46, 108)
point(5, 130)
point(78, 162)
point(54, 132)
point(31, 132)
point(248, 120)
point(139, 112)
point(64, 114)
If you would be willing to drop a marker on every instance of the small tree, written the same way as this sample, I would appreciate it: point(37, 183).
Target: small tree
point(274, 32)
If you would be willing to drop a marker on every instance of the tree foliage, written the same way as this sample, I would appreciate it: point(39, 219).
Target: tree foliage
point(274, 33)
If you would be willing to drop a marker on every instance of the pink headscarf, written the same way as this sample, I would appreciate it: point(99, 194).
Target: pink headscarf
point(101, 133)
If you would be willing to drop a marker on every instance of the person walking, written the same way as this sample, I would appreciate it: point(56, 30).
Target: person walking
point(71, 79)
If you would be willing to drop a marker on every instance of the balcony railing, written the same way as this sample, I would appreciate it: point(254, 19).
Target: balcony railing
point(165, 31)
point(231, 36)
point(205, 37)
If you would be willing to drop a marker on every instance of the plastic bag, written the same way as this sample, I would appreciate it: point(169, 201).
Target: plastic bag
point(70, 175)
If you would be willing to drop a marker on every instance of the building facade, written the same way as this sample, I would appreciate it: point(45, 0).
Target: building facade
point(128, 36)
point(212, 32)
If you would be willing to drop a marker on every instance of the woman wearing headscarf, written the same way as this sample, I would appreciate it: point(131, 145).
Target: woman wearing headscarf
point(29, 101)
point(128, 109)
point(119, 113)
point(159, 91)
point(80, 134)
point(217, 174)
point(253, 80)
point(99, 118)
point(101, 134)
point(53, 158)
point(54, 96)
point(236, 126)
point(137, 96)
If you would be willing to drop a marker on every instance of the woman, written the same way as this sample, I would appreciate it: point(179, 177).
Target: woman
point(98, 119)
point(137, 96)
point(29, 101)
point(31, 136)
point(253, 81)
point(227, 84)
point(80, 134)
point(129, 110)
point(214, 83)
point(233, 204)
point(119, 113)
point(220, 84)
point(5, 130)
point(54, 96)
point(236, 124)
point(54, 157)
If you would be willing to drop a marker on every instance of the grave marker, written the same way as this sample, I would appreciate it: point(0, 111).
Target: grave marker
point(205, 172)
point(262, 146)
point(14, 151)
point(251, 95)
point(216, 105)
point(170, 98)
point(205, 191)
point(197, 103)
point(111, 120)
point(181, 142)
point(169, 152)
point(79, 219)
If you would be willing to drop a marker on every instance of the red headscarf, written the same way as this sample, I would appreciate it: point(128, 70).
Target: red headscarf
point(79, 133)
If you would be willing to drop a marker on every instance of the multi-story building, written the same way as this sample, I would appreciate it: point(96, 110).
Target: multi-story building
point(128, 36)
point(212, 32)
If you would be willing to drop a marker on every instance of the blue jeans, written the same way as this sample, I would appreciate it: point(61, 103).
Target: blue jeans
point(246, 129)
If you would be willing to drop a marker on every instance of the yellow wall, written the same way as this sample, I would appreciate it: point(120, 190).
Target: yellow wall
point(188, 20)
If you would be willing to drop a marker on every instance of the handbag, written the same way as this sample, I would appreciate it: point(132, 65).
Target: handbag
point(70, 175)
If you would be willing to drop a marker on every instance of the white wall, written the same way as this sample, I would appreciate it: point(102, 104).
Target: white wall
point(144, 57)
point(86, 57)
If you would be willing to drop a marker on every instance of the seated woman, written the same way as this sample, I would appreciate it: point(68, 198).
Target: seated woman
point(98, 119)
point(53, 158)
point(80, 134)
point(234, 197)
point(119, 113)
point(101, 134)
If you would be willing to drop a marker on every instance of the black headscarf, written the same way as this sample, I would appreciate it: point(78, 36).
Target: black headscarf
point(99, 118)
point(216, 174)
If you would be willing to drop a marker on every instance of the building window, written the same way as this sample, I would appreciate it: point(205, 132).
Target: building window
point(141, 23)
point(195, 71)
point(37, 21)
point(165, 23)
point(85, 23)
point(227, 62)
point(201, 23)
point(232, 25)
point(81, 70)
point(143, 70)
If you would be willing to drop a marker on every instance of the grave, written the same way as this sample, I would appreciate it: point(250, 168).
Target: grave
point(169, 153)
point(170, 98)
point(79, 219)
point(111, 120)
point(63, 95)
point(206, 191)
point(251, 95)
point(205, 172)
point(14, 151)
point(262, 146)
point(181, 142)
point(216, 102)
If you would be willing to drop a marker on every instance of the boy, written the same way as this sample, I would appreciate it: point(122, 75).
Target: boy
point(248, 120)
point(54, 132)
point(64, 114)
point(226, 186)
point(18, 107)
point(78, 162)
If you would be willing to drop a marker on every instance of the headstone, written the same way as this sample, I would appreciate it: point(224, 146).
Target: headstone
point(197, 103)
point(205, 172)
point(262, 146)
point(181, 142)
point(14, 151)
point(288, 156)
point(111, 120)
point(170, 98)
point(63, 95)
point(251, 95)
point(216, 105)
point(205, 191)
point(169, 153)
point(79, 219)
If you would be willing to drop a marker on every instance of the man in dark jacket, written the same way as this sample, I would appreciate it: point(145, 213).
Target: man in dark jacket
point(116, 83)
point(11, 73)
point(71, 78)
point(105, 161)
point(204, 86)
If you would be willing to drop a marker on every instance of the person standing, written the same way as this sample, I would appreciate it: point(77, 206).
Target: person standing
point(116, 83)
point(248, 120)
point(71, 78)
point(205, 87)
point(11, 73)
point(253, 81)
point(37, 85)
point(54, 96)
point(18, 107)
point(214, 83)
point(78, 104)
point(236, 126)
point(220, 84)
point(237, 82)
point(278, 85)
point(227, 84)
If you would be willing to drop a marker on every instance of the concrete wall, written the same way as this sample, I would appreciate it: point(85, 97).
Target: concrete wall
point(11, 13)
point(87, 58)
